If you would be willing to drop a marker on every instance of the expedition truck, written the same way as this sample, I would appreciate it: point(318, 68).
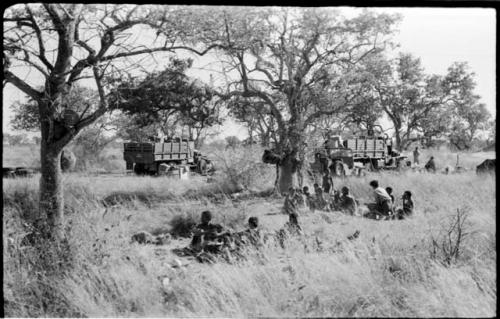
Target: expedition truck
point(162, 156)
point(355, 153)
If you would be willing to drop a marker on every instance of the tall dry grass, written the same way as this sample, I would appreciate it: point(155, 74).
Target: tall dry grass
point(388, 271)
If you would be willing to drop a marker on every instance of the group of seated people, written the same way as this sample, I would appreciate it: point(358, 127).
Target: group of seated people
point(320, 200)
point(382, 208)
point(384, 205)
point(210, 239)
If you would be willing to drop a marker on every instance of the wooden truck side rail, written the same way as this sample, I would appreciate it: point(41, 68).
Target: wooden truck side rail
point(151, 154)
point(368, 147)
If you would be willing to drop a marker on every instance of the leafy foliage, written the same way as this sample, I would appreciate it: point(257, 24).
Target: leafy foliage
point(165, 100)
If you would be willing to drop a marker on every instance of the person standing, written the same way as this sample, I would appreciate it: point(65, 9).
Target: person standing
point(416, 154)
point(327, 182)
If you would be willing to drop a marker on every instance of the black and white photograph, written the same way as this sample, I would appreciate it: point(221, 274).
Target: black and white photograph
point(235, 161)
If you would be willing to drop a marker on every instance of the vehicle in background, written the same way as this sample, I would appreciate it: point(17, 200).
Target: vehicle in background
point(162, 156)
point(370, 151)
point(12, 172)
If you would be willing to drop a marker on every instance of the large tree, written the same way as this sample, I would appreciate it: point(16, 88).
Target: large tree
point(26, 114)
point(295, 62)
point(408, 96)
point(468, 115)
point(168, 101)
point(259, 121)
point(67, 43)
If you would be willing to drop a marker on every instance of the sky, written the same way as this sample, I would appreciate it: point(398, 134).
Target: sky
point(439, 36)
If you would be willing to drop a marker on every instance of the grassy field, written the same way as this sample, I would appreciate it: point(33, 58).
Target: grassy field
point(392, 269)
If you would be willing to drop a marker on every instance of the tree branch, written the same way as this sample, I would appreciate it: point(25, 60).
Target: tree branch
point(23, 86)
point(41, 46)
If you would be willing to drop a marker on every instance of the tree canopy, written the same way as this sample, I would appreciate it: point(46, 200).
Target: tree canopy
point(166, 100)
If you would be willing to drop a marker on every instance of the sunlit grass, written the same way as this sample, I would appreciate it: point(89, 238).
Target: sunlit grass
point(387, 271)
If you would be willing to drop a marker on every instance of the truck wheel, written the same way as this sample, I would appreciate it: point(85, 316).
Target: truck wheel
point(9, 172)
point(139, 169)
point(202, 166)
point(338, 169)
point(371, 166)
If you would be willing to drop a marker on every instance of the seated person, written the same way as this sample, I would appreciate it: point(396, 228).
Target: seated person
point(205, 231)
point(252, 234)
point(347, 203)
point(320, 201)
point(291, 228)
point(407, 209)
point(299, 197)
point(389, 191)
point(383, 202)
point(308, 197)
point(430, 166)
point(393, 202)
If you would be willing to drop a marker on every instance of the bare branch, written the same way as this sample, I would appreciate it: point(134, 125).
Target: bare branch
point(200, 53)
point(53, 14)
point(23, 86)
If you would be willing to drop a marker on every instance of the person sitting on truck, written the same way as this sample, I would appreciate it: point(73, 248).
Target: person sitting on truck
point(382, 205)
point(431, 165)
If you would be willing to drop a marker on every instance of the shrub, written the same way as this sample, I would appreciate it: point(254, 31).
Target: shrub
point(23, 198)
point(243, 168)
point(448, 247)
point(182, 225)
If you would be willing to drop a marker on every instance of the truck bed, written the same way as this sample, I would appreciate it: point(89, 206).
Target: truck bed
point(147, 153)
point(367, 147)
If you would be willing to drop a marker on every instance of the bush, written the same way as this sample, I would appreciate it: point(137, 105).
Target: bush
point(243, 168)
point(449, 246)
point(182, 225)
point(23, 198)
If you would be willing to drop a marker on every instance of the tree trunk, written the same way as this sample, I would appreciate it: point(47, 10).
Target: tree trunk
point(287, 174)
point(51, 189)
point(397, 134)
point(264, 140)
